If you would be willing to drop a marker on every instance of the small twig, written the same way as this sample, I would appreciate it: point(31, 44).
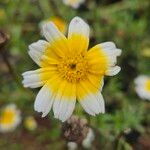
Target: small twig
point(11, 71)
point(13, 74)
point(4, 54)
point(3, 42)
point(40, 8)
point(116, 142)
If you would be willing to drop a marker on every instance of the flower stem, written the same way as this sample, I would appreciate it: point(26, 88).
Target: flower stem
point(55, 8)
point(4, 54)
point(11, 71)
point(40, 7)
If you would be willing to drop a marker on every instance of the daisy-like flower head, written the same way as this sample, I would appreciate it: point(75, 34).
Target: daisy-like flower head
point(10, 118)
point(60, 23)
point(30, 123)
point(143, 86)
point(69, 71)
point(73, 3)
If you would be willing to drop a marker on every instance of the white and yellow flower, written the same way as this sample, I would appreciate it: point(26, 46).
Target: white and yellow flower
point(30, 123)
point(60, 23)
point(69, 71)
point(143, 86)
point(73, 3)
point(10, 118)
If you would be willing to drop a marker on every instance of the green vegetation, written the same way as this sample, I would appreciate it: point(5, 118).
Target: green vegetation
point(125, 22)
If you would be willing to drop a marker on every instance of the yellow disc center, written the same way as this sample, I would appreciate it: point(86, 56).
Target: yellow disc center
point(147, 85)
point(7, 117)
point(74, 68)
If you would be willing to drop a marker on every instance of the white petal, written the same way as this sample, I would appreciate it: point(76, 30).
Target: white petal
point(66, 109)
point(36, 50)
point(11, 106)
point(86, 107)
point(72, 146)
point(74, 4)
point(57, 41)
point(63, 106)
point(78, 26)
point(142, 93)
point(87, 142)
point(93, 104)
point(51, 32)
point(44, 100)
point(111, 51)
point(113, 71)
point(110, 48)
point(69, 109)
point(140, 80)
point(57, 102)
point(31, 79)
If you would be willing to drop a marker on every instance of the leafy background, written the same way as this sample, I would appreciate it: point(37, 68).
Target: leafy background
point(127, 23)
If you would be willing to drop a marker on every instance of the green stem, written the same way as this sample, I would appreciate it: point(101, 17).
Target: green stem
point(40, 8)
point(13, 74)
point(55, 8)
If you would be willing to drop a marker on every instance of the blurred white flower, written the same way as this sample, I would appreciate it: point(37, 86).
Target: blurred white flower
point(73, 3)
point(87, 142)
point(30, 123)
point(72, 145)
point(60, 24)
point(10, 118)
point(143, 86)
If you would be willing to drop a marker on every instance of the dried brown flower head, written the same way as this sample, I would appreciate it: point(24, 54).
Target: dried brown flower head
point(75, 129)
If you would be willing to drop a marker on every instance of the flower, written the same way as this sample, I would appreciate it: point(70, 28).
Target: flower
point(142, 88)
point(69, 72)
point(87, 142)
point(10, 118)
point(75, 129)
point(73, 3)
point(60, 23)
point(30, 123)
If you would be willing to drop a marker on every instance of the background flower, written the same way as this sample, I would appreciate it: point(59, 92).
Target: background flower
point(10, 118)
point(142, 88)
point(60, 23)
point(30, 123)
point(73, 3)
